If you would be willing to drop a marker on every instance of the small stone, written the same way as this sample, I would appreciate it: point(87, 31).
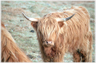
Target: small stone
point(30, 56)
point(32, 31)
point(21, 20)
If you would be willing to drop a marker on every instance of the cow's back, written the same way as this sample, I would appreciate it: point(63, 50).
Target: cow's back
point(76, 30)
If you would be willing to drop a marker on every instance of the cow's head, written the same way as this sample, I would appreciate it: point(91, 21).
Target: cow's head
point(47, 28)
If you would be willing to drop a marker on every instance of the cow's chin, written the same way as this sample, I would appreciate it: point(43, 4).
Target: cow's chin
point(49, 52)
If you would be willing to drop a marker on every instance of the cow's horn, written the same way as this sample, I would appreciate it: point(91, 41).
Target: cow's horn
point(30, 19)
point(64, 19)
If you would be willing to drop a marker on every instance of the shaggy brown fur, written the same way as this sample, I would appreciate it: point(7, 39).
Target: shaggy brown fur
point(10, 52)
point(72, 36)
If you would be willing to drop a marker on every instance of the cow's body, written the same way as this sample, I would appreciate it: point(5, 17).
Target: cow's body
point(10, 52)
point(57, 37)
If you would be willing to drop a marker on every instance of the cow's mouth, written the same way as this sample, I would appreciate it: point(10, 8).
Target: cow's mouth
point(48, 43)
point(49, 51)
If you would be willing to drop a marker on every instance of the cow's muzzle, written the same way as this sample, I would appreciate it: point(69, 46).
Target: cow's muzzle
point(48, 43)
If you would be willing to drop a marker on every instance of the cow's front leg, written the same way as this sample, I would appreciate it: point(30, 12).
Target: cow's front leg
point(76, 57)
point(59, 57)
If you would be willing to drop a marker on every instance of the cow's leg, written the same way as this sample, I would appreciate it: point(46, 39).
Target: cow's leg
point(87, 55)
point(46, 59)
point(90, 56)
point(90, 47)
point(84, 56)
point(80, 56)
point(76, 56)
point(58, 58)
point(86, 51)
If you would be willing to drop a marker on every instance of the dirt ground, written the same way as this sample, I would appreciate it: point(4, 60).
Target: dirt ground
point(24, 34)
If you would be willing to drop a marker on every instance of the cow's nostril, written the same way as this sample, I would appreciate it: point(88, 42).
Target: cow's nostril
point(46, 42)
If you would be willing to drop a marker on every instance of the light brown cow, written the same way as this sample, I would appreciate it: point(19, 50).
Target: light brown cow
point(10, 52)
point(61, 32)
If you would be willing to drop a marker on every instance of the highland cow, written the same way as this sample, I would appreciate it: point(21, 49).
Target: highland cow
point(62, 32)
point(10, 52)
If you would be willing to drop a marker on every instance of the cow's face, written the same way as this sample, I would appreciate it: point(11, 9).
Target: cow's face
point(47, 28)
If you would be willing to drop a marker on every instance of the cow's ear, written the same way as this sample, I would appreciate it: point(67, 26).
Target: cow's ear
point(60, 24)
point(34, 25)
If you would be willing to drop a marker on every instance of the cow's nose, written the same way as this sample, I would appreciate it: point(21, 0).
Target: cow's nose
point(48, 42)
